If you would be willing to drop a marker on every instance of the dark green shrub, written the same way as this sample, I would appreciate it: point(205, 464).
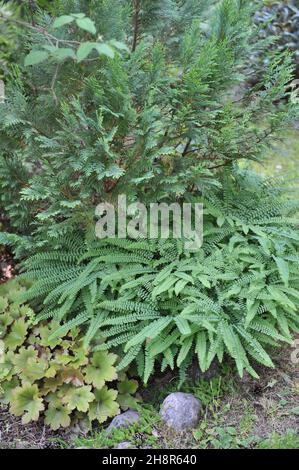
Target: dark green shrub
point(143, 107)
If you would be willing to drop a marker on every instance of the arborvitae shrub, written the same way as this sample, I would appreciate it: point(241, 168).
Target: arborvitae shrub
point(136, 99)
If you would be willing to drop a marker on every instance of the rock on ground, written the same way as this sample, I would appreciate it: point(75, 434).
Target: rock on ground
point(180, 411)
point(124, 420)
point(124, 445)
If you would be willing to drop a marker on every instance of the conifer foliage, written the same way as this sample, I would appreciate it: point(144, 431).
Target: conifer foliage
point(132, 97)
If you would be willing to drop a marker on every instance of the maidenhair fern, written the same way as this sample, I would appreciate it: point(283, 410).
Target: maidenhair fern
point(236, 296)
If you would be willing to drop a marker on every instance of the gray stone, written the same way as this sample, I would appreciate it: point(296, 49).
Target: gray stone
point(296, 125)
point(180, 411)
point(123, 420)
point(24, 445)
point(124, 445)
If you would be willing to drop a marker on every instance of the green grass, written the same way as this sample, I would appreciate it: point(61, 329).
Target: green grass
point(139, 434)
point(282, 159)
point(288, 441)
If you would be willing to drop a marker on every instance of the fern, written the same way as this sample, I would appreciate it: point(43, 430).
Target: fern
point(231, 301)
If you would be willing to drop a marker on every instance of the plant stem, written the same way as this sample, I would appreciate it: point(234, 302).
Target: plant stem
point(136, 4)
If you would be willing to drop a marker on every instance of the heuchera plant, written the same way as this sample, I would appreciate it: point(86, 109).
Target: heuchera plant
point(60, 378)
